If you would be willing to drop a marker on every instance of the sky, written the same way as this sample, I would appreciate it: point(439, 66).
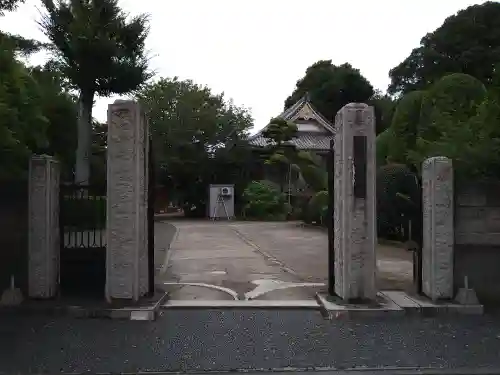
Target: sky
point(255, 50)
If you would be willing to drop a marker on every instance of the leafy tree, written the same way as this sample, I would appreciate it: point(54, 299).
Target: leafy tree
point(472, 143)
point(282, 153)
point(331, 87)
point(456, 95)
point(468, 42)
point(384, 107)
point(22, 121)
point(384, 141)
point(405, 126)
point(311, 171)
point(9, 5)
point(191, 127)
point(101, 52)
point(398, 200)
point(60, 109)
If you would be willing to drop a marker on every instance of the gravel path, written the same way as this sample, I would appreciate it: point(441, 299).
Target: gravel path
point(229, 340)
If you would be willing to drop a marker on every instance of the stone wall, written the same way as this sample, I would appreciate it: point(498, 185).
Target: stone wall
point(477, 238)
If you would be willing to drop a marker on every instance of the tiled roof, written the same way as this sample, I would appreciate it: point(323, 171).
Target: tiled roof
point(304, 141)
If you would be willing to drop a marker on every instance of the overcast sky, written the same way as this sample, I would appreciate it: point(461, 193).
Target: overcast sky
point(255, 50)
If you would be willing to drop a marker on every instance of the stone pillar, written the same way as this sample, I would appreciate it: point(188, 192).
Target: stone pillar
point(355, 228)
point(43, 241)
point(437, 248)
point(126, 223)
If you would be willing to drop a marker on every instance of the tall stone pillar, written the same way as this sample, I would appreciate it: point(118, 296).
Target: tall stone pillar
point(43, 242)
point(355, 229)
point(126, 223)
point(438, 235)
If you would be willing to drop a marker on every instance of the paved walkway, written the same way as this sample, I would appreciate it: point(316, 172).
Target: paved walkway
point(257, 260)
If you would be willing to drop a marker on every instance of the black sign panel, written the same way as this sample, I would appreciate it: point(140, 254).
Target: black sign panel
point(360, 153)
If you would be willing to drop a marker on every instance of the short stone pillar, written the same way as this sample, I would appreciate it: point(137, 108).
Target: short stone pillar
point(126, 223)
point(43, 241)
point(437, 226)
point(355, 227)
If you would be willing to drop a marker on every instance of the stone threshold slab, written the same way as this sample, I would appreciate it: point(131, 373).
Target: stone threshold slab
point(425, 306)
point(240, 304)
point(395, 303)
point(144, 313)
point(331, 310)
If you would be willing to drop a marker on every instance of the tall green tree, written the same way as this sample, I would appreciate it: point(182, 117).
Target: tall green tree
point(330, 87)
point(60, 109)
point(191, 127)
point(101, 52)
point(282, 153)
point(17, 42)
point(9, 5)
point(287, 162)
point(468, 42)
point(23, 124)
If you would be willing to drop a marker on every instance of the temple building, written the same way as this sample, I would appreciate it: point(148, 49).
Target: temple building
point(314, 133)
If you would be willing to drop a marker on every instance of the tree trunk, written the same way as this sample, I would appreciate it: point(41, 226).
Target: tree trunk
point(83, 151)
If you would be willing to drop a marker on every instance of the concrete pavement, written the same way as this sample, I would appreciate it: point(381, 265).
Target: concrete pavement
point(210, 260)
point(260, 260)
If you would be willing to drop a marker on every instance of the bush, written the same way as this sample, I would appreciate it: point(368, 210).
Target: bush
point(263, 201)
point(404, 126)
point(457, 95)
point(317, 209)
point(398, 200)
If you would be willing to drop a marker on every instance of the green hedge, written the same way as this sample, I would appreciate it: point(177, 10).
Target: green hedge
point(316, 211)
point(263, 201)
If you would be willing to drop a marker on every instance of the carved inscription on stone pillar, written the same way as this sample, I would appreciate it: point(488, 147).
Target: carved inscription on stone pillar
point(126, 262)
point(354, 202)
point(438, 235)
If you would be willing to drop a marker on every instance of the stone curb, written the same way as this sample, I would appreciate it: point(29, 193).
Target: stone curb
point(130, 313)
point(398, 304)
point(323, 371)
point(240, 304)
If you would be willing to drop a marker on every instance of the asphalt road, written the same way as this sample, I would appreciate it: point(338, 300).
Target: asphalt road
point(201, 340)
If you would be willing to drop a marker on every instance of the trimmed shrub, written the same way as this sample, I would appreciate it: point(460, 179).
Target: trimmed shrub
point(404, 126)
point(264, 201)
point(457, 95)
point(398, 200)
point(317, 209)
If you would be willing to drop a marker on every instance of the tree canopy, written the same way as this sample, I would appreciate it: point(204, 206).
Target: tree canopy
point(9, 5)
point(101, 51)
point(192, 128)
point(22, 121)
point(330, 87)
point(467, 42)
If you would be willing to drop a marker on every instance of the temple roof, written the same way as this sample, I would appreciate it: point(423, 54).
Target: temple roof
point(302, 111)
